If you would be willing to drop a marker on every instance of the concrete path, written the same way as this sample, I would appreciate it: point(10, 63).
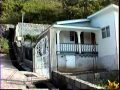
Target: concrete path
point(12, 78)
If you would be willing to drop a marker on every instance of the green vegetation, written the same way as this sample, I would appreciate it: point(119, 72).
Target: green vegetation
point(30, 38)
point(110, 82)
point(4, 47)
point(49, 11)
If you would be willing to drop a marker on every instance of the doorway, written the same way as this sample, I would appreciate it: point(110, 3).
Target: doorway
point(87, 38)
point(70, 61)
point(93, 39)
point(82, 37)
point(76, 38)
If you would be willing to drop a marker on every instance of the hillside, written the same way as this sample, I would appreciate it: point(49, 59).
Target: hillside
point(49, 11)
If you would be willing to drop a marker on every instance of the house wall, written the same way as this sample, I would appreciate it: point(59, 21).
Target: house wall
point(42, 56)
point(87, 37)
point(81, 63)
point(53, 56)
point(47, 62)
point(65, 37)
point(106, 46)
point(116, 14)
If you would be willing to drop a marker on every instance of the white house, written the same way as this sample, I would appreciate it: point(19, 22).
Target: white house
point(80, 45)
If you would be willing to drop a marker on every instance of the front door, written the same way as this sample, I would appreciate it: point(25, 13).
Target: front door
point(70, 61)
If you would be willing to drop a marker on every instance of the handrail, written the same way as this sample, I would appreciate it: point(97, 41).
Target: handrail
point(80, 43)
point(80, 48)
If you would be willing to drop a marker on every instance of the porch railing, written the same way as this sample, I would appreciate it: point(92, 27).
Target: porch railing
point(78, 48)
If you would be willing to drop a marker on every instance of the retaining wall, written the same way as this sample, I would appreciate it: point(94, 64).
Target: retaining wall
point(64, 81)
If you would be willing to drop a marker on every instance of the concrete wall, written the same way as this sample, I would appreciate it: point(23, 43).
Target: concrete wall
point(29, 28)
point(32, 29)
point(53, 56)
point(65, 82)
point(50, 55)
point(41, 56)
point(106, 46)
point(81, 63)
point(116, 14)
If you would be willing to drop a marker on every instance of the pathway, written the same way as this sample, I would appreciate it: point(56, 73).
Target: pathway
point(12, 78)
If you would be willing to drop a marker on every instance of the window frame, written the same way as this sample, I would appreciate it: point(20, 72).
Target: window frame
point(108, 30)
point(105, 32)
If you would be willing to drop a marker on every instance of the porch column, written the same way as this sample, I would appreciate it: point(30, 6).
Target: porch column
point(58, 41)
point(79, 40)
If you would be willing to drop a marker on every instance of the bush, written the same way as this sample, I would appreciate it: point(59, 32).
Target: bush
point(4, 47)
point(30, 38)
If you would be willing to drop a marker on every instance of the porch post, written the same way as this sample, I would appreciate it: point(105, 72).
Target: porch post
point(58, 41)
point(79, 40)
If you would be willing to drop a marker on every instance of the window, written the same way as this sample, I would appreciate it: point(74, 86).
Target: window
point(108, 31)
point(72, 35)
point(105, 32)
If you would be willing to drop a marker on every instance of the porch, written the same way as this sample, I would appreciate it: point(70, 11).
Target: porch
point(76, 42)
point(76, 48)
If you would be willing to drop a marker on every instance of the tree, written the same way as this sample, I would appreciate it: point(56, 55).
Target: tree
point(11, 11)
point(49, 11)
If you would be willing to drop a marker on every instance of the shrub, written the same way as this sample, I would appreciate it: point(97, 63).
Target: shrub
point(30, 38)
point(4, 47)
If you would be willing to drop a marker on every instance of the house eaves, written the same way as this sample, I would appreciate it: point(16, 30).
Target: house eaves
point(62, 27)
point(71, 21)
point(104, 10)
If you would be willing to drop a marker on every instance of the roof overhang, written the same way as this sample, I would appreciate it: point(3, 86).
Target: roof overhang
point(72, 21)
point(64, 27)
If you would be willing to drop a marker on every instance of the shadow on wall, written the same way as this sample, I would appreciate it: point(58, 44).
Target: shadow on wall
point(13, 49)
